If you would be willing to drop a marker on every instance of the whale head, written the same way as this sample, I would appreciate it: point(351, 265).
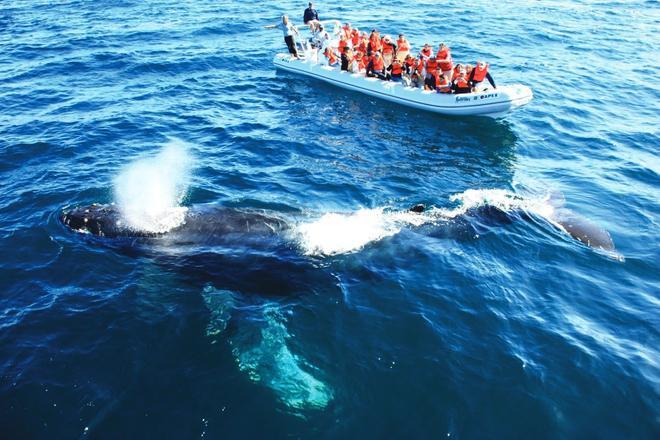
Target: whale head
point(98, 220)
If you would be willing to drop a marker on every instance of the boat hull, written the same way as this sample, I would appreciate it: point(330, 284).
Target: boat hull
point(492, 102)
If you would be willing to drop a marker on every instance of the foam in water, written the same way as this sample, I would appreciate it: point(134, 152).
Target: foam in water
point(335, 233)
point(149, 191)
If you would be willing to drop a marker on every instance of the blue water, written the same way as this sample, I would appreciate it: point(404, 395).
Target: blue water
point(518, 331)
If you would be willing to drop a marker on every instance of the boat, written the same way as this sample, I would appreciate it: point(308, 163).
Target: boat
point(492, 102)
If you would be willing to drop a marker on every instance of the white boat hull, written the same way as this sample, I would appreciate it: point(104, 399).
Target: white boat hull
point(492, 102)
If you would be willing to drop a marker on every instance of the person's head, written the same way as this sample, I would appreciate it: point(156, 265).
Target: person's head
point(481, 65)
point(442, 45)
point(311, 5)
point(285, 19)
point(432, 59)
point(377, 54)
point(320, 27)
point(346, 49)
point(402, 37)
point(387, 39)
point(427, 46)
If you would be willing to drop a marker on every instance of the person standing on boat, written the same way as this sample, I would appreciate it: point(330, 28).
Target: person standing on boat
point(310, 14)
point(480, 73)
point(445, 61)
point(289, 31)
point(402, 48)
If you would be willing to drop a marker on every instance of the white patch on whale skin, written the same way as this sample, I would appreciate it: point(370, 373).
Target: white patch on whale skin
point(267, 359)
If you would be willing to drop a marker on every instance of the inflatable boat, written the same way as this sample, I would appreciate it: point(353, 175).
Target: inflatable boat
point(488, 102)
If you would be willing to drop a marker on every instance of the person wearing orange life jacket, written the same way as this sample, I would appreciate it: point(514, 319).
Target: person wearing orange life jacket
point(480, 73)
point(346, 30)
point(376, 67)
point(402, 48)
point(426, 51)
point(396, 70)
point(388, 49)
point(331, 56)
point(460, 83)
point(374, 42)
point(445, 61)
point(355, 37)
point(442, 84)
point(359, 64)
point(431, 66)
point(416, 74)
point(343, 42)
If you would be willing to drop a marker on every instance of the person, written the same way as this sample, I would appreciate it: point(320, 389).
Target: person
point(310, 14)
point(441, 82)
point(343, 43)
point(431, 66)
point(346, 31)
point(402, 48)
point(417, 75)
point(289, 30)
point(346, 58)
point(426, 51)
point(376, 67)
point(389, 50)
point(374, 42)
point(396, 70)
point(355, 37)
point(331, 56)
point(478, 74)
point(361, 61)
point(445, 61)
point(460, 83)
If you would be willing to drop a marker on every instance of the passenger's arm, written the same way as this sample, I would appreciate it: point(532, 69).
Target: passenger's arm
point(490, 80)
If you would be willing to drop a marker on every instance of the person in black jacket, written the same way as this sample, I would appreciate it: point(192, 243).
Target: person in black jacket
point(310, 14)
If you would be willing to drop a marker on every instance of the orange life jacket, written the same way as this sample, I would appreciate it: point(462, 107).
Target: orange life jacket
point(342, 44)
point(426, 52)
point(375, 43)
point(431, 65)
point(444, 59)
point(461, 82)
point(403, 46)
point(347, 32)
point(362, 63)
point(355, 37)
point(480, 74)
point(410, 63)
point(441, 82)
point(378, 64)
point(396, 68)
point(420, 67)
point(330, 54)
point(387, 47)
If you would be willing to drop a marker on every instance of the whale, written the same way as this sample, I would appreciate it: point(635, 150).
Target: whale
point(219, 226)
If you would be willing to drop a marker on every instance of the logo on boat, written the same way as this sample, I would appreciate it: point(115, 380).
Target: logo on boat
point(475, 98)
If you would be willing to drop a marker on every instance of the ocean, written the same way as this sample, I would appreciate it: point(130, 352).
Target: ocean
point(361, 319)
